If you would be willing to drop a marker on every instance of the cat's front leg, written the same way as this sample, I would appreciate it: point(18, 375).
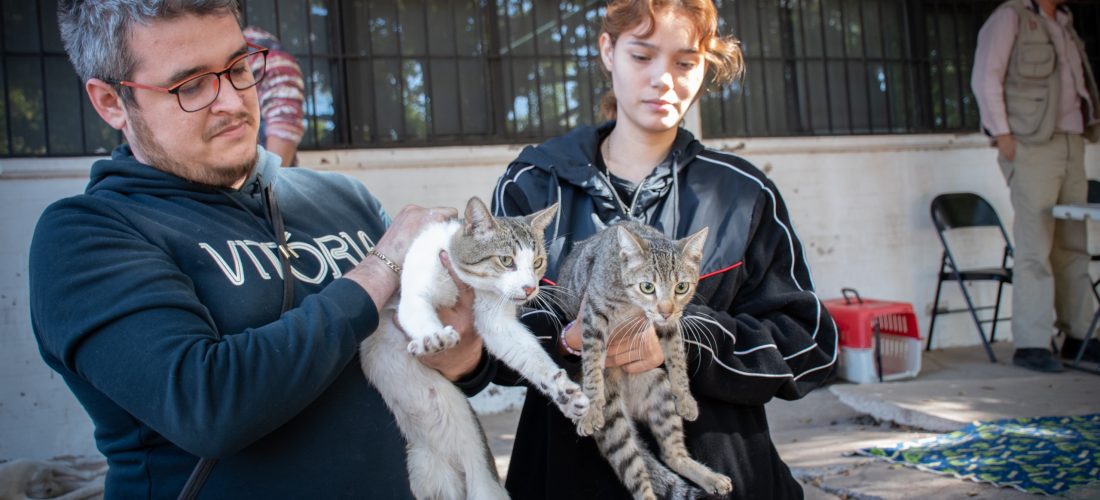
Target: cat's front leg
point(509, 341)
point(594, 358)
point(418, 319)
point(676, 363)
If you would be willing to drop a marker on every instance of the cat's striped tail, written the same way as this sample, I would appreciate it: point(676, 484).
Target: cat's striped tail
point(667, 484)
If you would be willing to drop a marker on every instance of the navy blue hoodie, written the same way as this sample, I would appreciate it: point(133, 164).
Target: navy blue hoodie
point(158, 300)
point(766, 333)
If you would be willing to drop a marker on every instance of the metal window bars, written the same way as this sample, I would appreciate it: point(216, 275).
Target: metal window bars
point(434, 72)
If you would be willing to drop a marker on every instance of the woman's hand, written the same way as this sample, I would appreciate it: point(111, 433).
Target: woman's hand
point(633, 345)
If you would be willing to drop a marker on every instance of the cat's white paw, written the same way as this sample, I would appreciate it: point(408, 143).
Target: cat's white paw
point(572, 402)
point(565, 393)
point(444, 339)
point(687, 408)
point(574, 405)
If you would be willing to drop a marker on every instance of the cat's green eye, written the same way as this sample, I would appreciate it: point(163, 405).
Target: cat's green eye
point(538, 262)
point(647, 287)
point(682, 287)
point(505, 260)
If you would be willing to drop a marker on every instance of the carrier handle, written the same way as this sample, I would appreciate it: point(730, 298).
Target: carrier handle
point(847, 299)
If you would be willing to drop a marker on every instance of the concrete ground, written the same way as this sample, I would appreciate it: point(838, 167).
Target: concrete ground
point(817, 435)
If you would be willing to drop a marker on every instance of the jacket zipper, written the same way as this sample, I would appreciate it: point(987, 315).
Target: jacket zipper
point(628, 210)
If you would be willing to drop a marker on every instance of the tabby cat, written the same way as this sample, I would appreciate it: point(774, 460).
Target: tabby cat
point(650, 276)
point(502, 259)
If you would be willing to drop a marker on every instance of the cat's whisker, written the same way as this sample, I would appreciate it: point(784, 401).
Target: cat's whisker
point(497, 306)
point(636, 332)
point(688, 328)
point(626, 329)
point(540, 304)
point(700, 314)
point(639, 339)
point(692, 330)
point(559, 289)
point(704, 335)
point(712, 339)
point(504, 302)
point(554, 299)
point(692, 324)
point(618, 331)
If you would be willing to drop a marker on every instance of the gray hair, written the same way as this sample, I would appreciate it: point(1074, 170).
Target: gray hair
point(95, 32)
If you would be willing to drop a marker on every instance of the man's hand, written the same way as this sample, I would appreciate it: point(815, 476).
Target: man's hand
point(460, 360)
point(1006, 145)
point(375, 276)
point(408, 224)
point(633, 346)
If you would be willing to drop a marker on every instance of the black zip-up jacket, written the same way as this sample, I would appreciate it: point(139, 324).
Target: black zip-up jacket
point(767, 334)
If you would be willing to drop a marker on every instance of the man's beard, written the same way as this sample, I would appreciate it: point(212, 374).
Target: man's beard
point(157, 157)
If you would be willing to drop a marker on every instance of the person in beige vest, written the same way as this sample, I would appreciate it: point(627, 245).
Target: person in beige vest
point(1038, 100)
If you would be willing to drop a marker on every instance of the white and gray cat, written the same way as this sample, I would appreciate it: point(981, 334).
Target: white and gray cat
point(502, 259)
point(652, 277)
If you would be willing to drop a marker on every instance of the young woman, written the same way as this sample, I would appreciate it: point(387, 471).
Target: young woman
point(768, 334)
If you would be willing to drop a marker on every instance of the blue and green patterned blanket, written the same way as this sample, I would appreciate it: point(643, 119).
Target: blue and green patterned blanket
point(1045, 455)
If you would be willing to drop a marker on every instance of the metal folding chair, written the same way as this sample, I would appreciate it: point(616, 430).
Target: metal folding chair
point(960, 211)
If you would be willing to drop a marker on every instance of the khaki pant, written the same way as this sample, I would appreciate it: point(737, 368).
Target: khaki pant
point(1051, 274)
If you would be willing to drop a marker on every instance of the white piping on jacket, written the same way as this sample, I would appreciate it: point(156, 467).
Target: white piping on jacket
point(794, 279)
point(501, 186)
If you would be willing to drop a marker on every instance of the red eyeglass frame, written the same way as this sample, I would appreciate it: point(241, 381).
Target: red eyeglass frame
point(174, 88)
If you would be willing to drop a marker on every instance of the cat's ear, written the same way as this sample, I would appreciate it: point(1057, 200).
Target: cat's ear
point(631, 247)
point(479, 221)
point(691, 247)
point(539, 220)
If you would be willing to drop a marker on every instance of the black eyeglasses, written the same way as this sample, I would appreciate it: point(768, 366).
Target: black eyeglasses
point(199, 91)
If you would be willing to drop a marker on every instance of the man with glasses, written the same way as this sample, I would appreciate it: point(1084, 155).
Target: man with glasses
point(199, 300)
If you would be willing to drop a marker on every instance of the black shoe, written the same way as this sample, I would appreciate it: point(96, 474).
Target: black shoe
point(1072, 345)
point(1040, 360)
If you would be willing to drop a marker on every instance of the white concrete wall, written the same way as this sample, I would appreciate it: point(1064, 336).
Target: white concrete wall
point(860, 205)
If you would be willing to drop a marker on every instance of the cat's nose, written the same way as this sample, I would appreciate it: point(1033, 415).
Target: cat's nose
point(529, 290)
point(665, 309)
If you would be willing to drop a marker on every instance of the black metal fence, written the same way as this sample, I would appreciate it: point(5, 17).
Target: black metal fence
point(434, 72)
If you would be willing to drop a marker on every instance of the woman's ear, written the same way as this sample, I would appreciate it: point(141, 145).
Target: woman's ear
point(107, 103)
point(607, 50)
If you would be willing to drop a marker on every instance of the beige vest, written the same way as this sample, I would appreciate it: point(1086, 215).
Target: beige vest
point(1032, 85)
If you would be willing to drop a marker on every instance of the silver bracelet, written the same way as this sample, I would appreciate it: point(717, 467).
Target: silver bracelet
point(389, 263)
